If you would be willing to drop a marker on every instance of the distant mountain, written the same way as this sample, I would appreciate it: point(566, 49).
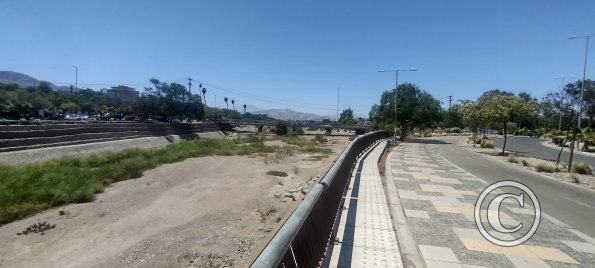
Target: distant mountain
point(287, 114)
point(23, 80)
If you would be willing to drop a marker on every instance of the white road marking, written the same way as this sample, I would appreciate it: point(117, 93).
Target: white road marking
point(578, 202)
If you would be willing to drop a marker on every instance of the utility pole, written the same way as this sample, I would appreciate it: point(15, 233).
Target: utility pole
point(449, 101)
point(215, 100)
point(76, 78)
point(337, 102)
point(190, 85)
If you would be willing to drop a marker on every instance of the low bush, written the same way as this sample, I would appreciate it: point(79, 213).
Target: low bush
point(582, 168)
point(525, 162)
point(545, 167)
point(574, 179)
point(513, 159)
point(320, 138)
point(277, 173)
point(488, 145)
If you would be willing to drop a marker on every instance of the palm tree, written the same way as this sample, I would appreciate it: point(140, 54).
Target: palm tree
point(225, 99)
point(204, 93)
point(233, 104)
point(244, 108)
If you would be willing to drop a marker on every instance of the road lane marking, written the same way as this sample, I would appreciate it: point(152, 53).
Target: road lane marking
point(578, 202)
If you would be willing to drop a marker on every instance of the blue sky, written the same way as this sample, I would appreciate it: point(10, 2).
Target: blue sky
point(292, 54)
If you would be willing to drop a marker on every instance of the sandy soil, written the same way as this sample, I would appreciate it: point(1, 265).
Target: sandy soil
point(216, 211)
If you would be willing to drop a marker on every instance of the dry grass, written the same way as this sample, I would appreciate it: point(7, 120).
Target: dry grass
point(513, 159)
point(545, 167)
point(582, 168)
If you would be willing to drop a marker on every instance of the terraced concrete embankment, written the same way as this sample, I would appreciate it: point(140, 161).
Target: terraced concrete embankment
point(19, 137)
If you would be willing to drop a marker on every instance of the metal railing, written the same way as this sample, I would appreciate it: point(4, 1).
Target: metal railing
point(304, 238)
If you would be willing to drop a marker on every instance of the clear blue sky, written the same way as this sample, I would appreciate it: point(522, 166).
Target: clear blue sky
point(292, 54)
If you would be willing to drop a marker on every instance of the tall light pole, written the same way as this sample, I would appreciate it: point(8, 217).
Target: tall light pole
point(396, 71)
point(584, 72)
point(76, 77)
point(563, 86)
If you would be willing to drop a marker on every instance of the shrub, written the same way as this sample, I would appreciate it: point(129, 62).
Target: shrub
point(455, 130)
point(487, 144)
point(557, 140)
point(574, 179)
point(545, 167)
point(582, 168)
point(320, 138)
point(277, 173)
point(513, 159)
point(525, 162)
point(281, 128)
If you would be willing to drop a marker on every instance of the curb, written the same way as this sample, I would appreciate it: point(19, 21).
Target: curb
point(408, 248)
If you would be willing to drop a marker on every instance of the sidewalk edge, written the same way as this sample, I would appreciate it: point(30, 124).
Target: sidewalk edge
point(408, 249)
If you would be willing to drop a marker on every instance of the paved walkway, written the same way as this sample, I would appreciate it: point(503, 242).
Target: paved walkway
point(365, 236)
point(433, 200)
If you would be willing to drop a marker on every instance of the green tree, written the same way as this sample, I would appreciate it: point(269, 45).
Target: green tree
point(415, 108)
point(170, 101)
point(501, 109)
point(225, 99)
point(454, 116)
point(346, 117)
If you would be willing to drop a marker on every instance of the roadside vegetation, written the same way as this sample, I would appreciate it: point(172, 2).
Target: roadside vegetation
point(29, 188)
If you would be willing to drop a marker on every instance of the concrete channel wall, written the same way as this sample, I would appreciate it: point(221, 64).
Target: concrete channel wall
point(17, 137)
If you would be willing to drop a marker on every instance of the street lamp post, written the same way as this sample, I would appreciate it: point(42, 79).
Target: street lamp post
point(396, 71)
point(584, 72)
point(76, 77)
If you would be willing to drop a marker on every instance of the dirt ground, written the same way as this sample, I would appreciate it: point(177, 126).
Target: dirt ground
point(207, 212)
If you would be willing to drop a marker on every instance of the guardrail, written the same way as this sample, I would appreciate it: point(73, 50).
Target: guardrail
point(304, 238)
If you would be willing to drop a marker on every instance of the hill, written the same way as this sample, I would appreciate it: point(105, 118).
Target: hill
point(288, 114)
point(23, 80)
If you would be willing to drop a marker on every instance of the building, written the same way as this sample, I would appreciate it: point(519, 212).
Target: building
point(124, 93)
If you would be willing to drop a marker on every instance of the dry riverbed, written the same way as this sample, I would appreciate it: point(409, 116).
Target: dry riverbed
point(215, 211)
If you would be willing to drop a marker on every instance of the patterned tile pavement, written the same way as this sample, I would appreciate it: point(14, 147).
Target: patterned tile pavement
point(438, 201)
point(365, 235)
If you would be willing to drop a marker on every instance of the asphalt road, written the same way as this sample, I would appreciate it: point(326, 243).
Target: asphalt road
point(569, 203)
point(533, 147)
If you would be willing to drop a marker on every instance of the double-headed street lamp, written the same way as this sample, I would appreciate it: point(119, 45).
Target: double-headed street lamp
point(584, 71)
point(396, 71)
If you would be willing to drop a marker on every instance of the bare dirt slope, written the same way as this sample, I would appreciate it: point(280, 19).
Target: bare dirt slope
point(202, 211)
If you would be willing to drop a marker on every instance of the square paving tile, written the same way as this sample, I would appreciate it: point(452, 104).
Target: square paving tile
point(438, 253)
point(417, 213)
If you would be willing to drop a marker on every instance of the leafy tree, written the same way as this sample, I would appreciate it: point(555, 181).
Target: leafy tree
point(454, 116)
point(501, 109)
point(170, 101)
point(204, 94)
point(244, 108)
point(346, 117)
point(225, 99)
point(415, 108)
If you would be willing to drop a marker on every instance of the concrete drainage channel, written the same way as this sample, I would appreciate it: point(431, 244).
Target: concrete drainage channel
point(304, 238)
point(17, 137)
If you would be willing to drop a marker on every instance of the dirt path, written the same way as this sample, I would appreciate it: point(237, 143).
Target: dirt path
point(208, 210)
